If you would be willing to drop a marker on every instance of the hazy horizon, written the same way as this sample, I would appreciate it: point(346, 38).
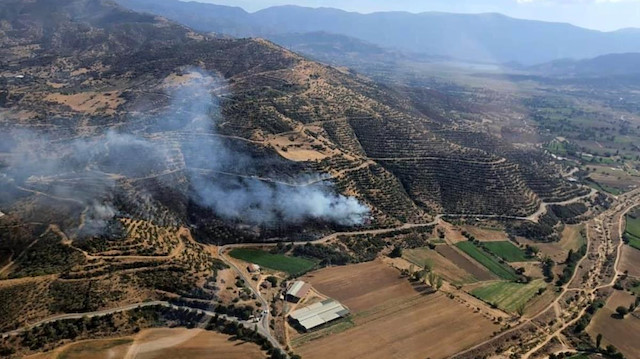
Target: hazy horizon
point(602, 15)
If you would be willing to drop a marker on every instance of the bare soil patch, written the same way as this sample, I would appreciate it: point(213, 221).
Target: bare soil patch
point(622, 333)
point(486, 234)
point(629, 261)
point(89, 102)
point(532, 269)
point(571, 238)
point(452, 233)
point(360, 286)
point(159, 343)
point(432, 324)
point(554, 250)
point(191, 344)
point(620, 298)
point(390, 318)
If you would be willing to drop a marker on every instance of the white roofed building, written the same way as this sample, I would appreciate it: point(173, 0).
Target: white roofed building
point(298, 290)
point(318, 314)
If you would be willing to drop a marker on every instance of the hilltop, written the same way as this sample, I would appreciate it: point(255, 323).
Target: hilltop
point(489, 37)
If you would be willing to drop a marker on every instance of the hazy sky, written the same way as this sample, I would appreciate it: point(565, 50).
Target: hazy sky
point(595, 14)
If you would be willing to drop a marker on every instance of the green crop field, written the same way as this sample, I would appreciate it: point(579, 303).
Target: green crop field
point(492, 263)
point(603, 187)
point(507, 251)
point(557, 147)
point(279, 262)
point(508, 296)
point(632, 230)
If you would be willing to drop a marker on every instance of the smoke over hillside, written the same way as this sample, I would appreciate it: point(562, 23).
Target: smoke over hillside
point(182, 140)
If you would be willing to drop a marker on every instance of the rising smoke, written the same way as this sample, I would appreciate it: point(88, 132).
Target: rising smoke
point(183, 139)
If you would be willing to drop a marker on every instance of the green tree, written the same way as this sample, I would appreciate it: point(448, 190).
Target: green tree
point(396, 252)
point(598, 340)
point(622, 311)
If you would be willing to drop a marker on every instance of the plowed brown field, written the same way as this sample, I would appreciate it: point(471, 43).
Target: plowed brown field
point(624, 334)
point(392, 320)
point(629, 261)
point(466, 264)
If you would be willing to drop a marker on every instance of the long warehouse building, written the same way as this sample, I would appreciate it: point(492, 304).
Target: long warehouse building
point(319, 313)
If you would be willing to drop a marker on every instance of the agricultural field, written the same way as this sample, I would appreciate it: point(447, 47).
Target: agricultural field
point(622, 333)
point(629, 261)
point(385, 306)
point(486, 234)
point(360, 286)
point(507, 251)
point(179, 343)
point(509, 296)
point(490, 262)
point(439, 264)
point(632, 229)
point(291, 265)
point(614, 180)
point(579, 356)
point(472, 267)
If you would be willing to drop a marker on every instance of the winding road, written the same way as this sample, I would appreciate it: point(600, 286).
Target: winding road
point(263, 325)
point(624, 204)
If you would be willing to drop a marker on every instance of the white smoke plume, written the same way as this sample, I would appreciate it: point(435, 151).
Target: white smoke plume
point(252, 200)
point(88, 166)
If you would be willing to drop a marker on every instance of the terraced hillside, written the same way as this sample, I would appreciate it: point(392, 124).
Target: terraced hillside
point(292, 116)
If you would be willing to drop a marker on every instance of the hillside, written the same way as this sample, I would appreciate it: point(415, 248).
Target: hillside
point(290, 118)
point(480, 37)
point(601, 66)
point(134, 151)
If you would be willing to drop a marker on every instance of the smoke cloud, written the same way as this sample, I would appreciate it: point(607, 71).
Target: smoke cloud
point(184, 139)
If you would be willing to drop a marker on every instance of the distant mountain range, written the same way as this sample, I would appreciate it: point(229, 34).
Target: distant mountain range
point(490, 38)
point(605, 65)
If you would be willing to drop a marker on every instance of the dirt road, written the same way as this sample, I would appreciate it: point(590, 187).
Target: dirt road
point(589, 286)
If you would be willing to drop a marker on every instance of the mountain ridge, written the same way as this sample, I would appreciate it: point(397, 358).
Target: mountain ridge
point(486, 37)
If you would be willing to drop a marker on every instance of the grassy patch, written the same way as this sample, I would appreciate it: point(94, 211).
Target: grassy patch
point(633, 241)
point(603, 187)
point(490, 262)
point(557, 147)
point(633, 223)
point(632, 229)
point(507, 251)
point(279, 262)
point(508, 296)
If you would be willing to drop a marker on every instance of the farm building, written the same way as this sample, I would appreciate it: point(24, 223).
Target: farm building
point(318, 314)
point(253, 268)
point(298, 290)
